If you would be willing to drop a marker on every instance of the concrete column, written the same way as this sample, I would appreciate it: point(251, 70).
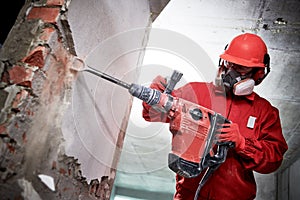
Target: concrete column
point(59, 138)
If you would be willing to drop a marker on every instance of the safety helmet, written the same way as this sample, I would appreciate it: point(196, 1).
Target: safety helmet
point(249, 50)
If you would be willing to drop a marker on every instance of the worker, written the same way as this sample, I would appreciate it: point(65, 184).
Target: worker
point(255, 129)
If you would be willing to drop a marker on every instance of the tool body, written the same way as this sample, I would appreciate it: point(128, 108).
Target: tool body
point(193, 126)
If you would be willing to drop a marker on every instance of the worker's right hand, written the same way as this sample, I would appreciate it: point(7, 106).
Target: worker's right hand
point(159, 83)
point(231, 133)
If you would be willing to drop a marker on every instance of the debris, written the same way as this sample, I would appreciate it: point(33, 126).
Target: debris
point(48, 180)
point(280, 21)
point(266, 26)
point(28, 190)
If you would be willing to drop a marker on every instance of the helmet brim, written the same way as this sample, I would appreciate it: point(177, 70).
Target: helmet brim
point(241, 61)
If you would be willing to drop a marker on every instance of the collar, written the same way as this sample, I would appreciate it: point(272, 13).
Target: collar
point(251, 96)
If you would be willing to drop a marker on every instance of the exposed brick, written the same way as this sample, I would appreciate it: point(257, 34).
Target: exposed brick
point(93, 187)
point(46, 34)
point(55, 2)
point(49, 15)
point(62, 171)
point(19, 98)
point(11, 146)
point(24, 137)
point(36, 57)
point(5, 77)
point(21, 76)
point(2, 129)
point(54, 165)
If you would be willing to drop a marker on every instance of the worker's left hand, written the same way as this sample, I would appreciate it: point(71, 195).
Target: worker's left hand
point(159, 83)
point(231, 132)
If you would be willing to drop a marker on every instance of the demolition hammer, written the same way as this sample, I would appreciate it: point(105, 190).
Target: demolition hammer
point(193, 127)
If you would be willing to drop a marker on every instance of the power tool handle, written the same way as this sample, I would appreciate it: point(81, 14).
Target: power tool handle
point(175, 78)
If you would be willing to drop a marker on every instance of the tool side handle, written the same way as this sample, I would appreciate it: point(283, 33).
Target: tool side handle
point(175, 78)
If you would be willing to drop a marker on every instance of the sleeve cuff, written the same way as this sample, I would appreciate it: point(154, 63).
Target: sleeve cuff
point(241, 145)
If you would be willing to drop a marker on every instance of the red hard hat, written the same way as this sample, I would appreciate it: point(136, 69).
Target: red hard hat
point(247, 50)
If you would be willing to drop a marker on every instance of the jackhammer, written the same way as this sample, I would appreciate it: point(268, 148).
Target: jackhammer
point(195, 127)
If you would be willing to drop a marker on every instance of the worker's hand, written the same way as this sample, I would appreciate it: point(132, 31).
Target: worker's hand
point(159, 83)
point(231, 132)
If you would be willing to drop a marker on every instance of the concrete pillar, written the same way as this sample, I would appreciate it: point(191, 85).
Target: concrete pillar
point(59, 138)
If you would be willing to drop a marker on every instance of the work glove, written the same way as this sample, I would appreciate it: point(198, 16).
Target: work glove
point(159, 83)
point(155, 113)
point(230, 133)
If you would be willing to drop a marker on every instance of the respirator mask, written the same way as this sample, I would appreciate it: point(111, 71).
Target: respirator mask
point(229, 78)
point(240, 84)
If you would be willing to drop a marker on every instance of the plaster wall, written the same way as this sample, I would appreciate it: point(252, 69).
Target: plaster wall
point(109, 36)
point(56, 121)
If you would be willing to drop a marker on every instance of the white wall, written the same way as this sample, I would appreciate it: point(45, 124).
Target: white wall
point(109, 36)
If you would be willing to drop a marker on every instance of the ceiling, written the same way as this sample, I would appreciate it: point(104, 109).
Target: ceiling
point(212, 24)
point(156, 6)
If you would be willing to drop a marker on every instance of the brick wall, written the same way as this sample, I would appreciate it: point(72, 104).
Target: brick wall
point(35, 91)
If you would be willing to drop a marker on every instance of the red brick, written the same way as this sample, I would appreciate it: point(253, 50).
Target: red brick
point(36, 57)
point(2, 129)
point(19, 98)
point(21, 76)
point(11, 147)
point(46, 34)
point(48, 15)
point(5, 77)
point(29, 112)
point(55, 2)
point(54, 165)
point(24, 137)
point(62, 171)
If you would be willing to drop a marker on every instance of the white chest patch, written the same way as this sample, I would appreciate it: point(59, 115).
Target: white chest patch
point(251, 122)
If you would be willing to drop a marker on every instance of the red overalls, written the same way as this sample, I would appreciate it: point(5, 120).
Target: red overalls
point(258, 122)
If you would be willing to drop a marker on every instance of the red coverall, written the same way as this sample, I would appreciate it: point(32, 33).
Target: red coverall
point(264, 143)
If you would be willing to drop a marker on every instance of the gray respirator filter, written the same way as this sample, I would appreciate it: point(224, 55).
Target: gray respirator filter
point(240, 85)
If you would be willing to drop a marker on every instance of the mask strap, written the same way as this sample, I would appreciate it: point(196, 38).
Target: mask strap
point(218, 79)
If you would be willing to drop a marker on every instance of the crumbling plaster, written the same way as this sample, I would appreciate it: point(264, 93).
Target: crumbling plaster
point(97, 118)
